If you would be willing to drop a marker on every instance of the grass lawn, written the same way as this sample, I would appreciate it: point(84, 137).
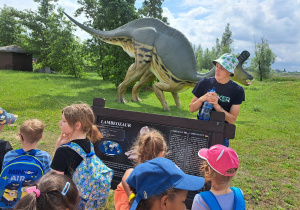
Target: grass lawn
point(267, 133)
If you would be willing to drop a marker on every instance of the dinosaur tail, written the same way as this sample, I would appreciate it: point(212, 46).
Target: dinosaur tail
point(85, 28)
point(103, 35)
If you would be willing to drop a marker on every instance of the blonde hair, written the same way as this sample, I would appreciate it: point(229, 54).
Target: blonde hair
point(84, 114)
point(32, 130)
point(210, 174)
point(149, 145)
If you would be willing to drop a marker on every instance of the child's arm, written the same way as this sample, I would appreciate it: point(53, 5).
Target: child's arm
point(6, 158)
point(124, 183)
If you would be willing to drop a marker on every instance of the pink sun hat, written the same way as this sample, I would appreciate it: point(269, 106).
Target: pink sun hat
point(220, 158)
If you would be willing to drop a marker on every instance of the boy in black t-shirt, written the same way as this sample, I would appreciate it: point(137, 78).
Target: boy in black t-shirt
point(228, 96)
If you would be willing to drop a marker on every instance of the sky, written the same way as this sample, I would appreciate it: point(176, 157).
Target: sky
point(202, 21)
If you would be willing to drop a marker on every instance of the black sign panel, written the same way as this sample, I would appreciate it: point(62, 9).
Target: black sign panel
point(184, 137)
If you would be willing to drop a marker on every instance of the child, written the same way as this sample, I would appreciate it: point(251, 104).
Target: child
point(220, 165)
point(78, 132)
point(6, 118)
point(149, 144)
point(31, 132)
point(160, 185)
point(53, 192)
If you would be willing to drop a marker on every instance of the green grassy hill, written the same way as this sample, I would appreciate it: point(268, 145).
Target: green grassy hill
point(267, 133)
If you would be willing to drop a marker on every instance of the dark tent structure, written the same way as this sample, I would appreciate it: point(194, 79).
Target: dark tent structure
point(15, 58)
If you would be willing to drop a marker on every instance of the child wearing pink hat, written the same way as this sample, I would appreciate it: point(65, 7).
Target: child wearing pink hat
point(219, 166)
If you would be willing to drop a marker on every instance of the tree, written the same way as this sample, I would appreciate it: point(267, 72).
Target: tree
point(107, 15)
point(199, 57)
point(226, 41)
point(217, 49)
point(152, 8)
point(225, 45)
point(10, 27)
point(65, 50)
point(264, 58)
point(207, 60)
point(49, 37)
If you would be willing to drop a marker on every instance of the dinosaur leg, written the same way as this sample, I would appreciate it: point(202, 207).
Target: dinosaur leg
point(143, 56)
point(177, 100)
point(158, 89)
point(131, 77)
point(146, 78)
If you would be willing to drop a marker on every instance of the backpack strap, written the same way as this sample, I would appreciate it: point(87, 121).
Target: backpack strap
point(22, 152)
point(79, 150)
point(210, 200)
point(239, 201)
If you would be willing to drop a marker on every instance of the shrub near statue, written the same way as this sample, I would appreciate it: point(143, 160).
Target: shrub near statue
point(161, 52)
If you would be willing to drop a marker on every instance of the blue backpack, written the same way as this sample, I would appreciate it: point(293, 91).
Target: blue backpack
point(212, 203)
point(18, 175)
point(92, 178)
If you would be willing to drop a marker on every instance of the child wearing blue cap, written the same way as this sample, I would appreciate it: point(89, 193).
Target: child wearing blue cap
point(6, 118)
point(150, 144)
point(160, 184)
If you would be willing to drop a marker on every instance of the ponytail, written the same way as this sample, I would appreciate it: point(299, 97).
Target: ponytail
point(28, 202)
point(94, 134)
point(53, 192)
point(149, 145)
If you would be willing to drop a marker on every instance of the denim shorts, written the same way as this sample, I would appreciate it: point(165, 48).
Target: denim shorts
point(226, 142)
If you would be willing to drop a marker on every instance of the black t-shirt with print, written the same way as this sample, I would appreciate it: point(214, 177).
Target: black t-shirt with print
point(229, 94)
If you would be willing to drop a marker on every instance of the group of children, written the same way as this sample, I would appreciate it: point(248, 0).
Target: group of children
point(155, 182)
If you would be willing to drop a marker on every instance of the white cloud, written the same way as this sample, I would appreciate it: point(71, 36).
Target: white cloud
point(250, 20)
point(202, 21)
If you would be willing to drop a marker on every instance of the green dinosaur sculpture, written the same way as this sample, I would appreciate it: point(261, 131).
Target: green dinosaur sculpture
point(161, 52)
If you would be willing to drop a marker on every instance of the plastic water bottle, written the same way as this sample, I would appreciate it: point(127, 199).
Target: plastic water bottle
point(206, 108)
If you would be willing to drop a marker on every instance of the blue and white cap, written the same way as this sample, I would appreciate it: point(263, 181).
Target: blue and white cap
point(7, 118)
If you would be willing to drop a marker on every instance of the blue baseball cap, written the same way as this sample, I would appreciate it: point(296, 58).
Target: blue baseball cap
point(157, 176)
point(7, 118)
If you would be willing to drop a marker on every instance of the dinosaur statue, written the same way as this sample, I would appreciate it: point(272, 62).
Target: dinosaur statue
point(161, 52)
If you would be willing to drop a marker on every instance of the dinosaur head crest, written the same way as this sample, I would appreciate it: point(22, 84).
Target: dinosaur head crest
point(240, 75)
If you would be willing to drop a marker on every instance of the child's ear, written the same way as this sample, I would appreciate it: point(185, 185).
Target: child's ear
point(161, 154)
point(78, 125)
point(164, 202)
point(21, 137)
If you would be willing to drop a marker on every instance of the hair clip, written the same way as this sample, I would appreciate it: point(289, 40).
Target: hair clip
point(66, 188)
point(131, 196)
point(144, 130)
point(35, 190)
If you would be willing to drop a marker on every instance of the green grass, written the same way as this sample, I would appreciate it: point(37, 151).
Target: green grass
point(267, 129)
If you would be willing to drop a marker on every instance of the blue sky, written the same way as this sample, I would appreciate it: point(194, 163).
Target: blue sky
point(202, 21)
